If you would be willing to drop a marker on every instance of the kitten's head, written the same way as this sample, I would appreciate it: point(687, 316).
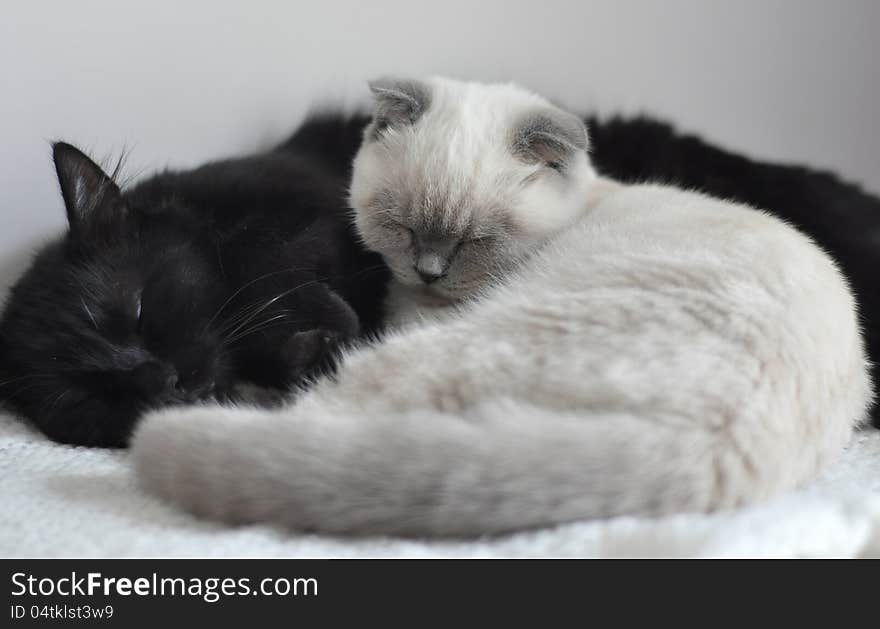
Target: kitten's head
point(456, 182)
point(112, 318)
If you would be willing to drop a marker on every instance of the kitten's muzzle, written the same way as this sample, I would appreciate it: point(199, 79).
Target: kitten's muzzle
point(429, 277)
point(433, 258)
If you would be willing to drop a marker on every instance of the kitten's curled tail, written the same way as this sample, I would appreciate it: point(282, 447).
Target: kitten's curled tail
point(320, 468)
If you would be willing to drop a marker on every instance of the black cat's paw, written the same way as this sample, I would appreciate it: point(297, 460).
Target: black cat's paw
point(311, 351)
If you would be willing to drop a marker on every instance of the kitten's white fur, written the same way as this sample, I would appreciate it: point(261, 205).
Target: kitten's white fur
point(646, 352)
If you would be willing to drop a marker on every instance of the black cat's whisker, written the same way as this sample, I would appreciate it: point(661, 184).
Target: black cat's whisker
point(21, 390)
point(262, 326)
point(272, 316)
point(253, 308)
point(265, 328)
point(244, 286)
point(268, 327)
point(88, 312)
point(247, 311)
point(85, 290)
point(238, 317)
point(273, 300)
point(20, 378)
point(226, 329)
point(57, 400)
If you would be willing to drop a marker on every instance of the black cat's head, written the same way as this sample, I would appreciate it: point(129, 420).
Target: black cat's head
point(113, 318)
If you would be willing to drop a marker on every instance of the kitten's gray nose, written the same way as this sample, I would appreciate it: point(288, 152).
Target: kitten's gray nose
point(428, 278)
point(430, 267)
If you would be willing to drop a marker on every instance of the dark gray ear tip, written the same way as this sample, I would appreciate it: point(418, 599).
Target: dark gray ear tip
point(398, 102)
point(85, 187)
point(550, 135)
point(63, 152)
point(60, 146)
point(583, 139)
point(397, 86)
point(382, 84)
point(577, 130)
point(71, 163)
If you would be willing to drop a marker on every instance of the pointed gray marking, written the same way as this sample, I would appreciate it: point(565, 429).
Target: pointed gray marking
point(549, 135)
point(398, 102)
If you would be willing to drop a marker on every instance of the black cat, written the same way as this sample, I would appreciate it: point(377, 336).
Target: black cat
point(840, 217)
point(182, 287)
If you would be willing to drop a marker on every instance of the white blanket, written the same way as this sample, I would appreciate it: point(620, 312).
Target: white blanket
point(58, 501)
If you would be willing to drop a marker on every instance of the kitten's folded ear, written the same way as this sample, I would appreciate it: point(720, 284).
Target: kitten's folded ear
point(92, 198)
point(550, 136)
point(399, 102)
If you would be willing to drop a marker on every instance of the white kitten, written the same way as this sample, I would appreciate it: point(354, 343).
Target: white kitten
point(615, 350)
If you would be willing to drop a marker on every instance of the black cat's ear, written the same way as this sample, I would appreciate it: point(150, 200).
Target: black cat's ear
point(90, 195)
point(549, 136)
point(398, 102)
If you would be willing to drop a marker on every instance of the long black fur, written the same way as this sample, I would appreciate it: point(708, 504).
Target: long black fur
point(181, 288)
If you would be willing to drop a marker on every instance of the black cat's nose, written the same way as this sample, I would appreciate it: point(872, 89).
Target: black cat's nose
point(152, 378)
point(428, 277)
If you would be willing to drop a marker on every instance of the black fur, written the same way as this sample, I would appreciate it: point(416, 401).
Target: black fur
point(174, 291)
point(839, 216)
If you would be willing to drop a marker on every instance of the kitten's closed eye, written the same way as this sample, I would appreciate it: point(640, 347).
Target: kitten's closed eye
point(404, 234)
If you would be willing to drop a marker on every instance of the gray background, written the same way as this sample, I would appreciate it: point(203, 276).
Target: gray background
point(180, 82)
